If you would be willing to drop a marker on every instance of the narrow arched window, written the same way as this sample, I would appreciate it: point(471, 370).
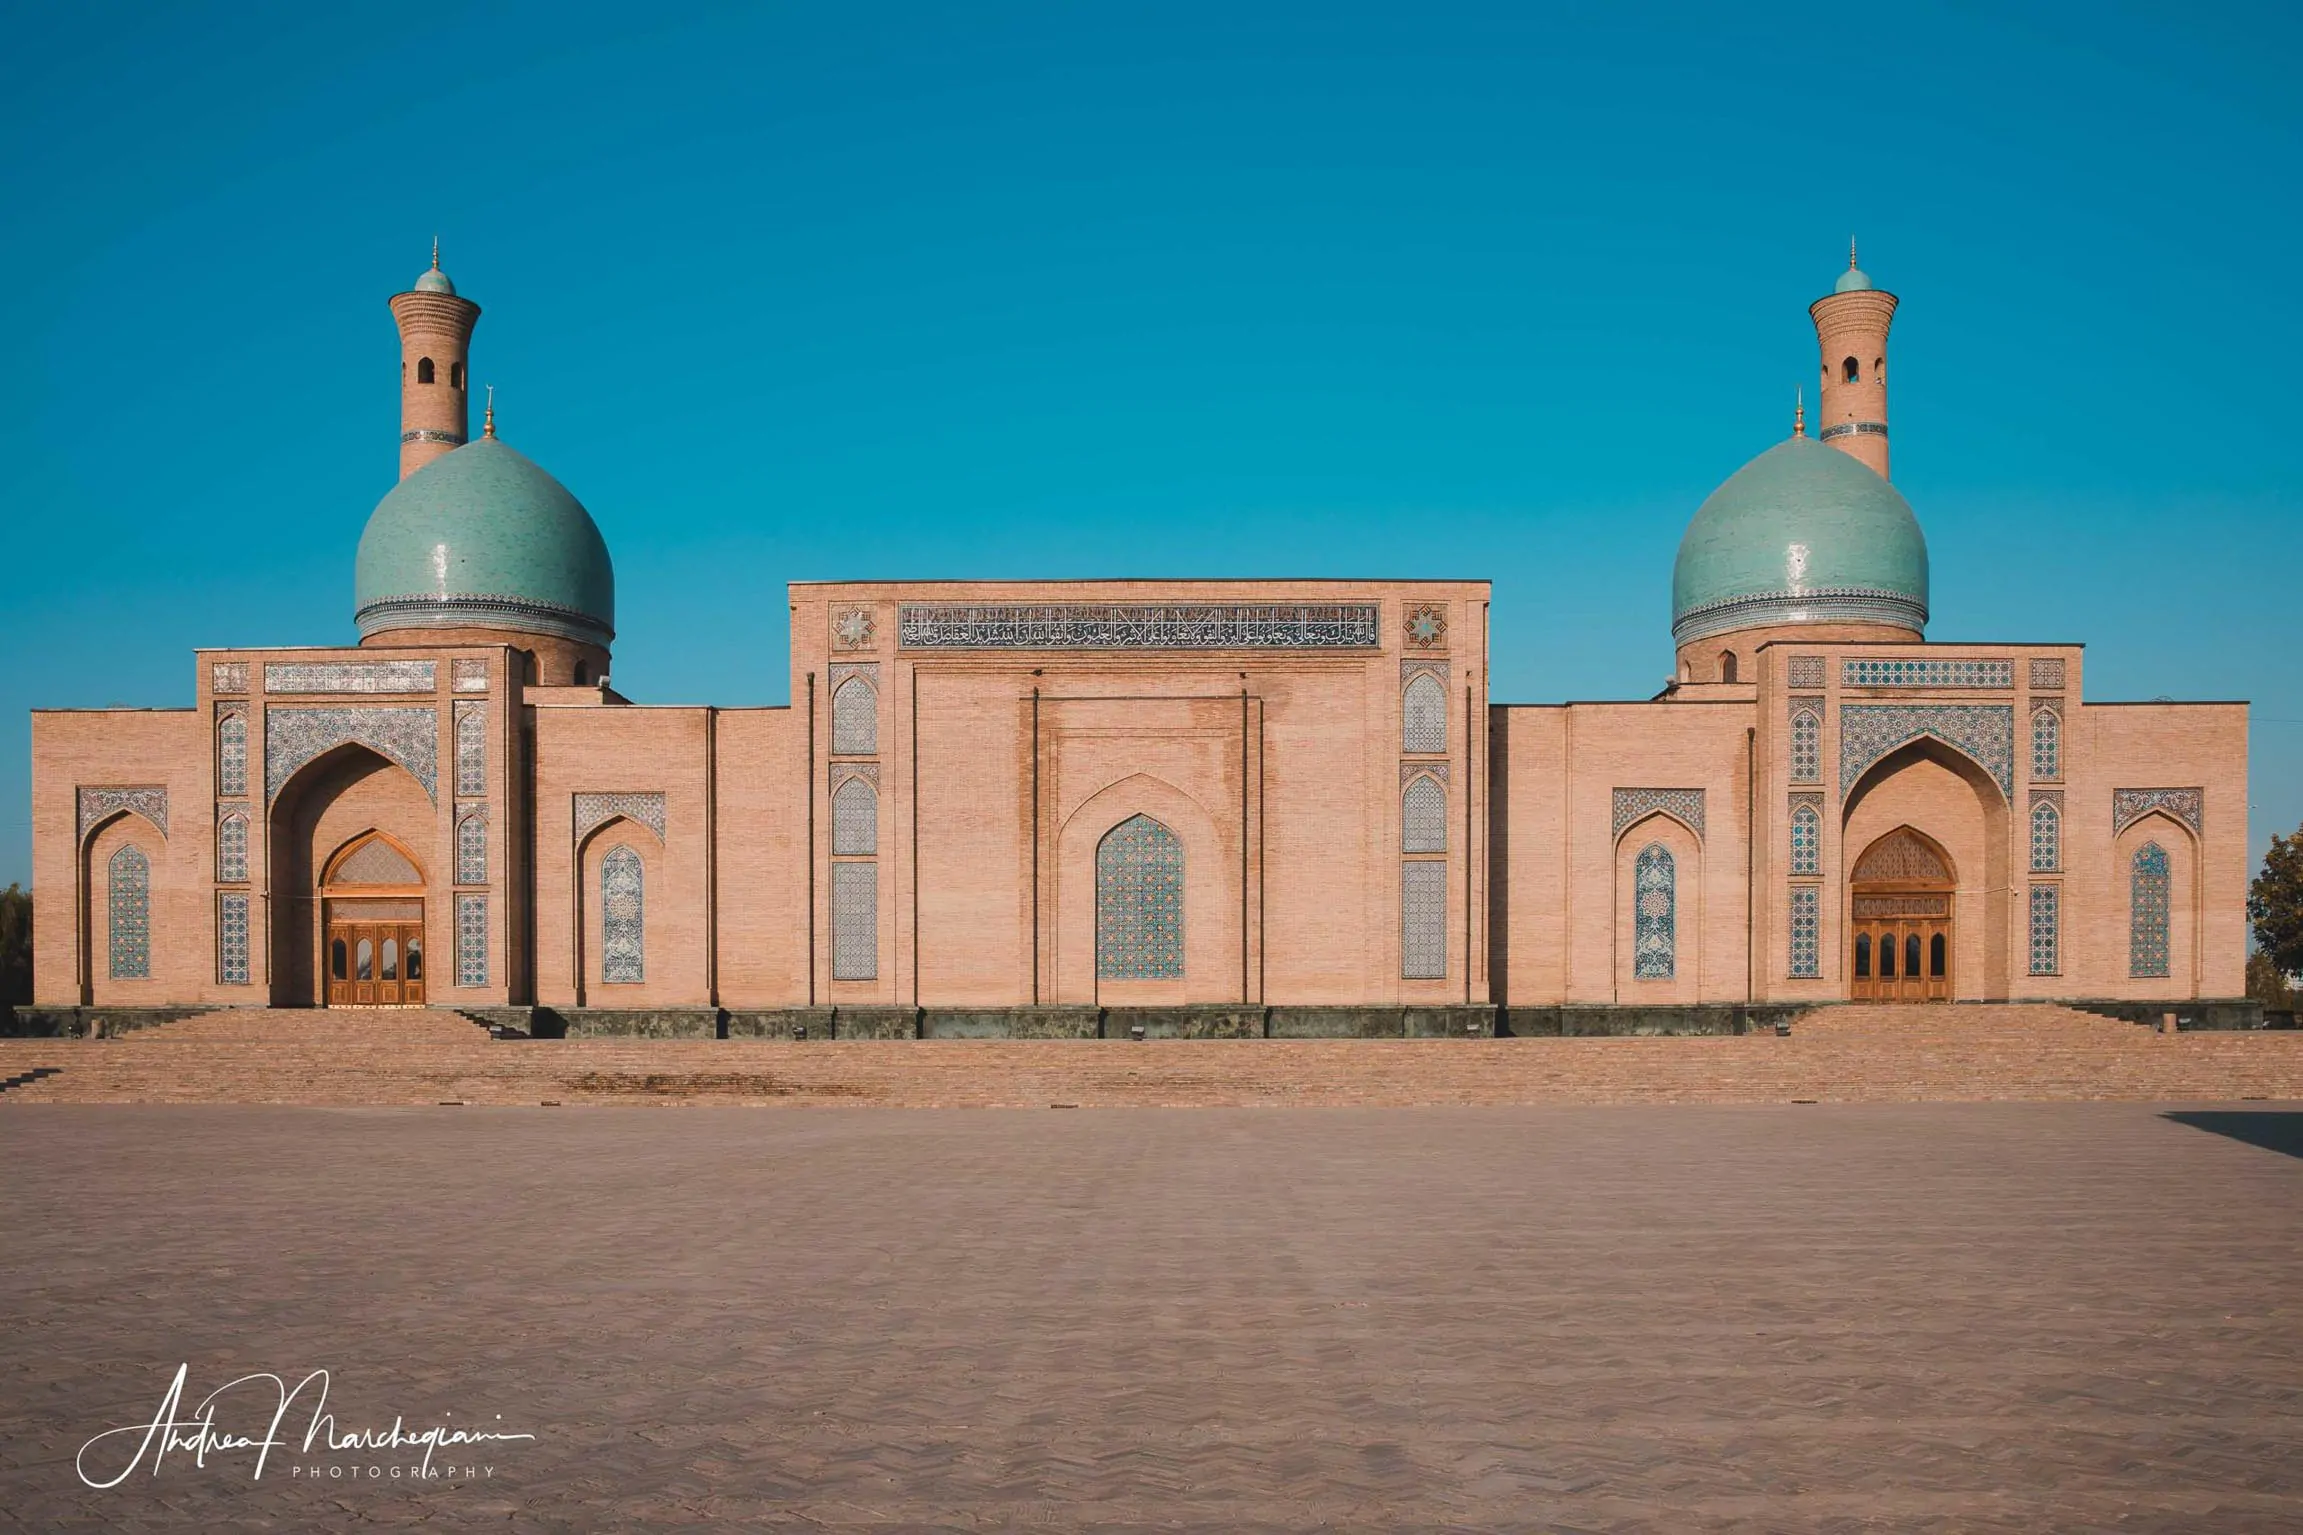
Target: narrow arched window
point(1655, 909)
point(128, 913)
point(472, 850)
point(1938, 954)
point(1806, 840)
point(1139, 902)
point(1727, 666)
point(1863, 956)
point(855, 818)
point(424, 370)
point(623, 918)
point(232, 755)
point(1879, 370)
point(2046, 838)
point(1423, 817)
point(2046, 744)
point(855, 719)
point(1423, 716)
point(1806, 747)
point(1851, 371)
point(232, 849)
point(455, 375)
point(583, 673)
point(2147, 887)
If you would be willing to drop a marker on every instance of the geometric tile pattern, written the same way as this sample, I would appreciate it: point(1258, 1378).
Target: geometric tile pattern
point(148, 800)
point(1423, 817)
point(2130, 805)
point(468, 674)
point(1423, 921)
point(1139, 902)
point(232, 754)
point(1655, 899)
point(293, 737)
point(228, 677)
point(232, 848)
point(592, 810)
point(2046, 744)
point(1423, 716)
point(2047, 672)
point(1927, 674)
point(2147, 906)
point(1806, 839)
point(471, 749)
point(472, 847)
point(1985, 732)
point(855, 818)
point(2046, 836)
point(1807, 740)
point(232, 938)
point(350, 677)
point(1425, 626)
point(1804, 672)
point(1409, 772)
point(855, 921)
point(623, 918)
point(1139, 626)
point(471, 940)
point(855, 718)
point(854, 629)
point(1631, 804)
point(2044, 922)
point(1806, 925)
point(128, 912)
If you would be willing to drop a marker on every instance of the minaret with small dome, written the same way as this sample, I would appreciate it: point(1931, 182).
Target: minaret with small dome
point(1851, 323)
point(435, 359)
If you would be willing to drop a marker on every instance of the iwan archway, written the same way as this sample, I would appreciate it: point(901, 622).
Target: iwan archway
point(1900, 919)
point(373, 896)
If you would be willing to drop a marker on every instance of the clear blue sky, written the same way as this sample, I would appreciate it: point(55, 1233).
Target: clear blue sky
point(831, 290)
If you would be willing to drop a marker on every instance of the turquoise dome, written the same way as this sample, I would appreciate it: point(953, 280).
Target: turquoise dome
point(435, 281)
point(1853, 280)
point(481, 537)
point(1801, 534)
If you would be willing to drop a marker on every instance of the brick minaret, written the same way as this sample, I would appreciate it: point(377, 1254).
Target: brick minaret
point(435, 356)
point(1851, 328)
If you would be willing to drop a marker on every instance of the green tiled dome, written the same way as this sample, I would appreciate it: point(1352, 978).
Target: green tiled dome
point(1801, 534)
point(1853, 280)
point(483, 538)
point(433, 281)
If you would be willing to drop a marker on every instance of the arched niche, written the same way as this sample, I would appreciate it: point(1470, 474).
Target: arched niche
point(1945, 797)
point(343, 799)
point(1659, 832)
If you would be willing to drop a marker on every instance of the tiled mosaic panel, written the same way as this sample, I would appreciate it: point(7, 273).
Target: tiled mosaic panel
point(2130, 805)
point(351, 676)
point(293, 737)
point(1807, 743)
point(472, 849)
point(2045, 925)
point(471, 940)
point(1424, 626)
point(1985, 732)
point(148, 800)
point(2047, 671)
point(623, 918)
point(232, 848)
point(1423, 921)
point(855, 719)
point(1880, 673)
point(232, 755)
point(1805, 672)
point(232, 939)
point(2147, 905)
point(1423, 716)
point(2046, 744)
point(375, 862)
point(1806, 933)
point(228, 677)
point(1139, 902)
point(854, 629)
point(468, 674)
point(1806, 840)
point(855, 818)
point(1631, 804)
point(2046, 838)
point(472, 749)
point(595, 810)
point(128, 913)
point(855, 921)
point(1423, 818)
point(1140, 626)
point(1655, 914)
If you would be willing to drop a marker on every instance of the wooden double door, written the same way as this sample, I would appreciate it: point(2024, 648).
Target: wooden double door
point(1902, 947)
point(375, 963)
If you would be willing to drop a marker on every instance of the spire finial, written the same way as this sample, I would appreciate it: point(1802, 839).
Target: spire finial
point(488, 421)
point(1851, 253)
point(435, 253)
point(1799, 413)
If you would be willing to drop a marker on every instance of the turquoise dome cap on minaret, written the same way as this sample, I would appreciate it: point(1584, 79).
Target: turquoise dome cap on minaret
point(435, 280)
point(482, 538)
point(1802, 534)
point(1854, 279)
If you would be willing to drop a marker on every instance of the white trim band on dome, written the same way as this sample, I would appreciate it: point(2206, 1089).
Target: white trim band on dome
point(1830, 605)
point(523, 615)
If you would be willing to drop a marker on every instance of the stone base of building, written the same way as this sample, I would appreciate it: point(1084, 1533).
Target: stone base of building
point(2211, 1016)
point(1600, 1021)
point(1221, 1021)
point(85, 1022)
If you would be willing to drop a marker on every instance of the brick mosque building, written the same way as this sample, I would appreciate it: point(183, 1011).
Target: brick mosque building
point(1239, 806)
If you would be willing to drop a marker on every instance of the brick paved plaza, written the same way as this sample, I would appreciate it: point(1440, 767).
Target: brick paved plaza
point(1767, 1318)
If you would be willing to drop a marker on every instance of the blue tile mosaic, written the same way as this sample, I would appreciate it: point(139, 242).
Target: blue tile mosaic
point(1806, 840)
point(2147, 908)
point(623, 918)
point(295, 736)
point(594, 810)
point(1423, 921)
point(2046, 744)
point(232, 848)
point(1985, 732)
point(1807, 741)
point(855, 921)
point(471, 749)
point(1423, 715)
point(2047, 673)
point(1655, 908)
point(2046, 836)
point(128, 913)
point(472, 848)
point(1804, 672)
point(2046, 923)
point(1423, 817)
point(97, 803)
point(1631, 804)
point(1806, 933)
point(1139, 902)
point(351, 676)
point(2131, 805)
point(471, 940)
point(232, 938)
point(232, 754)
point(1928, 673)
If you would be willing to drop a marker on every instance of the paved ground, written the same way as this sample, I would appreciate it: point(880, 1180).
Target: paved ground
point(1917, 1317)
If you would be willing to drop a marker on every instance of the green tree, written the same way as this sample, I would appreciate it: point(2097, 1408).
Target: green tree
point(2275, 904)
point(15, 947)
point(2267, 986)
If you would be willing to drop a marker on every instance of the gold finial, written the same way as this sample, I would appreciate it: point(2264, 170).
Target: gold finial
point(435, 253)
point(488, 421)
point(1799, 413)
point(1851, 253)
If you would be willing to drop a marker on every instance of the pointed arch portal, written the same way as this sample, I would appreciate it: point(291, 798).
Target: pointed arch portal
point(1900, 920)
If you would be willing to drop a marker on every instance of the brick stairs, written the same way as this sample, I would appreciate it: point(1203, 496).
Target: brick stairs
point(1835, 1054)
